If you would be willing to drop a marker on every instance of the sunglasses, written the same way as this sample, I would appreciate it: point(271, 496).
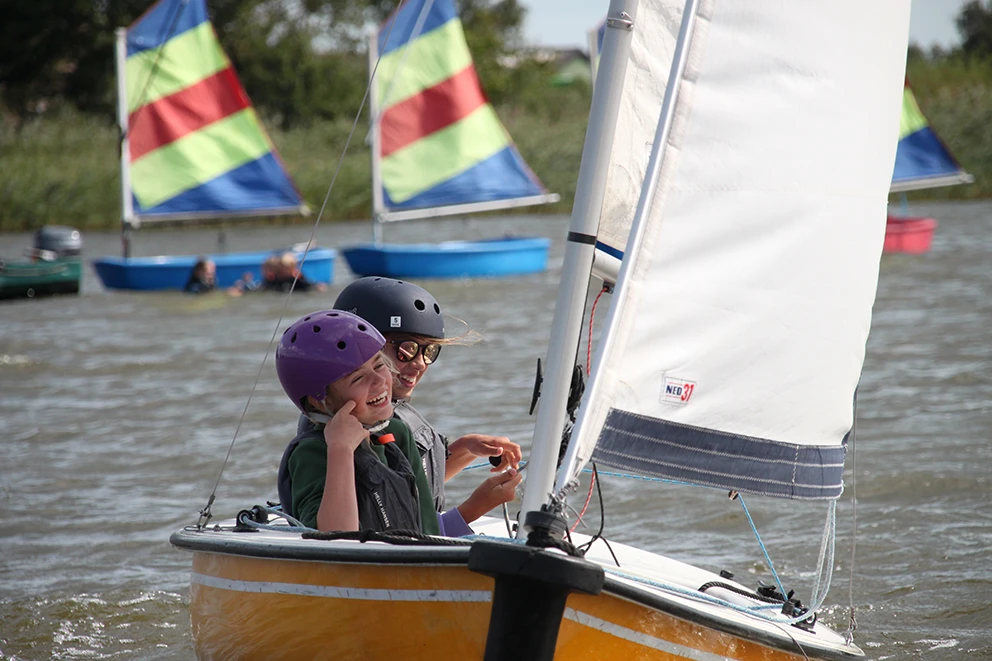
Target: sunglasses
point(407, 350)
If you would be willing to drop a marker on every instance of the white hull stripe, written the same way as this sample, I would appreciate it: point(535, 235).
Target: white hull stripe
point(334, 592)
point(642, 639)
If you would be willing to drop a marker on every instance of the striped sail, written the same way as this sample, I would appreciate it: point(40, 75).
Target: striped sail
point(196, 147)
point(736, 335)
point(922, 159)
point(437, 140)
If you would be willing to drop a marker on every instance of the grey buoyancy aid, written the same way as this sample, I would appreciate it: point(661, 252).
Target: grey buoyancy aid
point(433, 447)
point(386, 492)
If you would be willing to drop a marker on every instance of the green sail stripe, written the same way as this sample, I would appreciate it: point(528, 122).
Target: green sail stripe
point(185, 60)
point(443, 154)
point(198, 157)
point(912, 119)
point(422, 64)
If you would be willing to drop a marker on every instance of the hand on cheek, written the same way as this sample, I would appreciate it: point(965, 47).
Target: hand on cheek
point(344, 432)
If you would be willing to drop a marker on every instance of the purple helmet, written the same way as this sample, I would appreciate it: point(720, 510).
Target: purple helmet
point(320, 348)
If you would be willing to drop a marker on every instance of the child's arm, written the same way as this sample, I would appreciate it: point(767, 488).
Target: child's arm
point(464, 451)
point(339, 504)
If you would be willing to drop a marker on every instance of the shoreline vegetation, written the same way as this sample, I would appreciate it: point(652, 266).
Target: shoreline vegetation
point(62, 167)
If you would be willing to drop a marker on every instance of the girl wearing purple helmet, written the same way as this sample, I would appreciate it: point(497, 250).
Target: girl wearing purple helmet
point(359, 468)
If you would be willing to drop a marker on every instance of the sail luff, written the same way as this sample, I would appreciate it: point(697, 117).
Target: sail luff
point(120, 66)
point(737, 344)
point(580, 449)
point(375, 138)
point(566, 325)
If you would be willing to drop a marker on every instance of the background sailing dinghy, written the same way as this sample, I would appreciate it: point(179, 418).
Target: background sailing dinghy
point(193, 149)
point(729, 358)
point(439, 149)
point(54, 266)
point(922, 161)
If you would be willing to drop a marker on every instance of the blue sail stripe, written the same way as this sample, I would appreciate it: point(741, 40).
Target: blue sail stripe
point(921, 155)
point(164, 21)
point(405, 19)
point(502, 176)
point(660, 448)
point(259, 184)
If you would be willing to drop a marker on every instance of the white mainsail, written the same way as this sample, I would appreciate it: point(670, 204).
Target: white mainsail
point(736, 335)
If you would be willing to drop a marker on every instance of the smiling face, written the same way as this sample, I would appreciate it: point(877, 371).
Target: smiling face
point(408, 374)
point(370, 387)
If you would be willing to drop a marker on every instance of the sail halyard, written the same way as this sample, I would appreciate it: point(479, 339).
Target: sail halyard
point(734, 344)
point(193, 146)
point(438, 146)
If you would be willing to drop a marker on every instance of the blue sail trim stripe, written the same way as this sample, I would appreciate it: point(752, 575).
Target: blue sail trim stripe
point(502, 176)
point(405, 20)
point(164, 21)
point(921, 155)
point(665, 449)
point(261, 184)
point(609, 250)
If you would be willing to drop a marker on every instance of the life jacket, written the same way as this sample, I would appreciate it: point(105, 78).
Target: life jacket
point(433, 447)
point(386, 492)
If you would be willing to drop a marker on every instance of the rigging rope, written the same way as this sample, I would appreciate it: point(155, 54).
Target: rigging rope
point(853, 621)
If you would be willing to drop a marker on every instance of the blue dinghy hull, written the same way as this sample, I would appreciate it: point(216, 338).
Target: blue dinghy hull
point(490, 258)
point(172, 271)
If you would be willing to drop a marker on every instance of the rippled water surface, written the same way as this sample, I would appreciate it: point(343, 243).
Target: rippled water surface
point(116, 411)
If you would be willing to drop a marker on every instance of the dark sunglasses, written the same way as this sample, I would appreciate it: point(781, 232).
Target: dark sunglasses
point(407, 350)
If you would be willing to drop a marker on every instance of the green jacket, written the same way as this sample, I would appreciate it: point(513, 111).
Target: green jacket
point(308, 470)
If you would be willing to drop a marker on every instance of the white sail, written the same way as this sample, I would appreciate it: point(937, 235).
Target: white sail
point(653, 44)
point(736, 336)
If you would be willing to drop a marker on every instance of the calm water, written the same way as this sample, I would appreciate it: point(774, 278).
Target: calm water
point(116, 410)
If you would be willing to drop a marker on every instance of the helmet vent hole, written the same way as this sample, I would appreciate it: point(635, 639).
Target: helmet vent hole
point(306, 319)
point(316, 329)
point(332, 314)
point(419, 304)
point(293, 339)
point(362, 327)
point(342, 345)
point(437, 309)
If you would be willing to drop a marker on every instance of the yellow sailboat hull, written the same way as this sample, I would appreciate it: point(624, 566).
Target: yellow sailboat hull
point(265, 608)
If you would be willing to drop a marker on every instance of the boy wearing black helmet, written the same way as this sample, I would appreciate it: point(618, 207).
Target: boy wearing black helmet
point(411, 320)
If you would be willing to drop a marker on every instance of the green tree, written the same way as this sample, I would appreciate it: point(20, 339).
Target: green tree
point(974, 23)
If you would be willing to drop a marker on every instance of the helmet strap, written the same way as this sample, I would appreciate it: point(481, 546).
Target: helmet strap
point(319, 418)
point(377, 427)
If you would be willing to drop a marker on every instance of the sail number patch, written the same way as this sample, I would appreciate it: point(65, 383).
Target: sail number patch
point(677, 391)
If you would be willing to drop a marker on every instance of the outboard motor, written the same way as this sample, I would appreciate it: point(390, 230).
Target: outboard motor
point(57, 242)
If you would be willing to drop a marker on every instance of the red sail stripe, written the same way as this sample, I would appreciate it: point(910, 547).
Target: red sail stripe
point(186, 111)
point(431, 110)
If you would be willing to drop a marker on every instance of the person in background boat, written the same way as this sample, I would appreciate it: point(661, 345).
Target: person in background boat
point(247, 283)
point(203, 278)
point(358, 467)
point(412, 322)
point(285, 270)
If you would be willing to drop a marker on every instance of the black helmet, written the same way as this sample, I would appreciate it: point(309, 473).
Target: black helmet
point(393, 306)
